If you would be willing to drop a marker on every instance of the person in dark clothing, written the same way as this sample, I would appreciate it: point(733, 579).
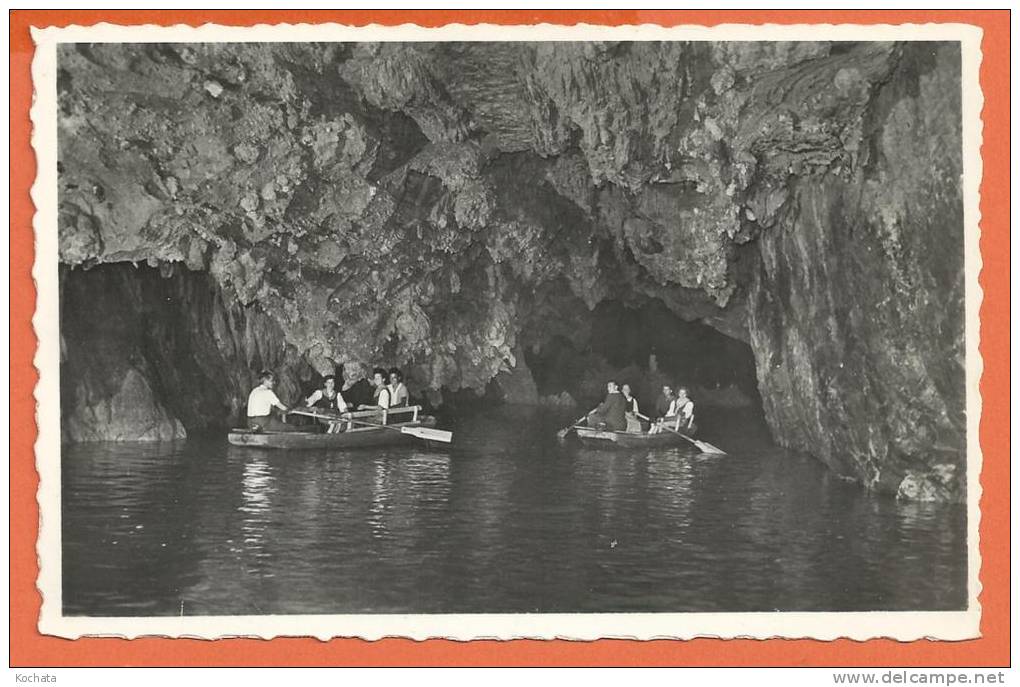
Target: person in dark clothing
point(328, 400)
point(632, 404)
point(634, 423)
point(612, 412)
point(357, 391)
point(665, 401)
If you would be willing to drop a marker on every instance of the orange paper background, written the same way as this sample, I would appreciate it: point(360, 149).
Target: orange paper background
point(29, 648)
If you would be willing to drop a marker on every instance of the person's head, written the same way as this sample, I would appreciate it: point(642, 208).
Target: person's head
point(667, 390)
point(267, 378)
point(396, 376)
point(681, 393)
point(626, 390)
point(379, 376)
point(352, 370)
point(329, 383)
point(611, 386)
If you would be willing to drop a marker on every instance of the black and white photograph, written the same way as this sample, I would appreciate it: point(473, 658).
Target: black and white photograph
point(472, 332)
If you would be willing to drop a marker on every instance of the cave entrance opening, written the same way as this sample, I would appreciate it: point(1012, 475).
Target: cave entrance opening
point(171, 342)
point(646, 346)
point(147, 352)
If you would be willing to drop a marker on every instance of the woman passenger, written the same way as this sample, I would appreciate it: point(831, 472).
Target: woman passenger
point(683, 409)
point(382, 398)
point(328, 400)
point(398, 392)
point(634, 423)
point(632, 404)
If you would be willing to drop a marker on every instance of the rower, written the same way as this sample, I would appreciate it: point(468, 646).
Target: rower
point(261, 402)
point(612, 412)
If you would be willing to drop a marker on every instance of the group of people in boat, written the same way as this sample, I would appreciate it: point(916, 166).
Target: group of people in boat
point(266, 412)
point(620, 412)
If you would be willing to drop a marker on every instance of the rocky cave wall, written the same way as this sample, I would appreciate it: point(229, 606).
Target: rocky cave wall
point(153, 354)
point(441, 205)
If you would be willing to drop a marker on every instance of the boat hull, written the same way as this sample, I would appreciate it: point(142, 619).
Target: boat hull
point(359, 437)
point(628, 441)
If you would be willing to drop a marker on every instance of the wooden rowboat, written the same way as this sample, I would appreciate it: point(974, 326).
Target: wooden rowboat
point(355, 435)
point(625, 441)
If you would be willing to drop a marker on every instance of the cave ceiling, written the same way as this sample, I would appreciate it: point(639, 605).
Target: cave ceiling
point(436, 199)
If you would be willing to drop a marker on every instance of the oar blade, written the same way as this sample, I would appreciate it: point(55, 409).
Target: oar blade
point(706, 447)
point(429, 434)
point(702, 446)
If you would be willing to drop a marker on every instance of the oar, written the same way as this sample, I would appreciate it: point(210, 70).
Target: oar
point(562, 434)
point(312, 413)
point(421, 432)
point(703, 446)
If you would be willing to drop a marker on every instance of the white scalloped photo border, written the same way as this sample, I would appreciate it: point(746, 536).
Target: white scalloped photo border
point(906, 626)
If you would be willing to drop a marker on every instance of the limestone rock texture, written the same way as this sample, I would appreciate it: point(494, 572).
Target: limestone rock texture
point(441, 205)
point(130, 413)
point(147, 354)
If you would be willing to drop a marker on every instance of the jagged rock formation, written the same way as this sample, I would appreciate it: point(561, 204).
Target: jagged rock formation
point(146, 353)
point(516, 385)
point(444, 204)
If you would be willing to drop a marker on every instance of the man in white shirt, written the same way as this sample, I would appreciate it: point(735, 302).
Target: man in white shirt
point(261, 402)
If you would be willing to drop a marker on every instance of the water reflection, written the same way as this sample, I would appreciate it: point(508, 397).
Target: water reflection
point(380, 498)
point(257, 488)
point(405, 489)
point(502, 521)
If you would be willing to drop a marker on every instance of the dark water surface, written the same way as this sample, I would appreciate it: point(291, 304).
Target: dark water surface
point(502, 521)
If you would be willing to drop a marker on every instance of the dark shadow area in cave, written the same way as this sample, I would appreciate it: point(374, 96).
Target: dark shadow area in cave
point(646, 347)
point(136, 336)
point(197, 352)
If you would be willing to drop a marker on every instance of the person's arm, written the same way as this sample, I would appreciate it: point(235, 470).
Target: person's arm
point(314, 398)
point(275, 400)
point(341, 404)
point(382, 402)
